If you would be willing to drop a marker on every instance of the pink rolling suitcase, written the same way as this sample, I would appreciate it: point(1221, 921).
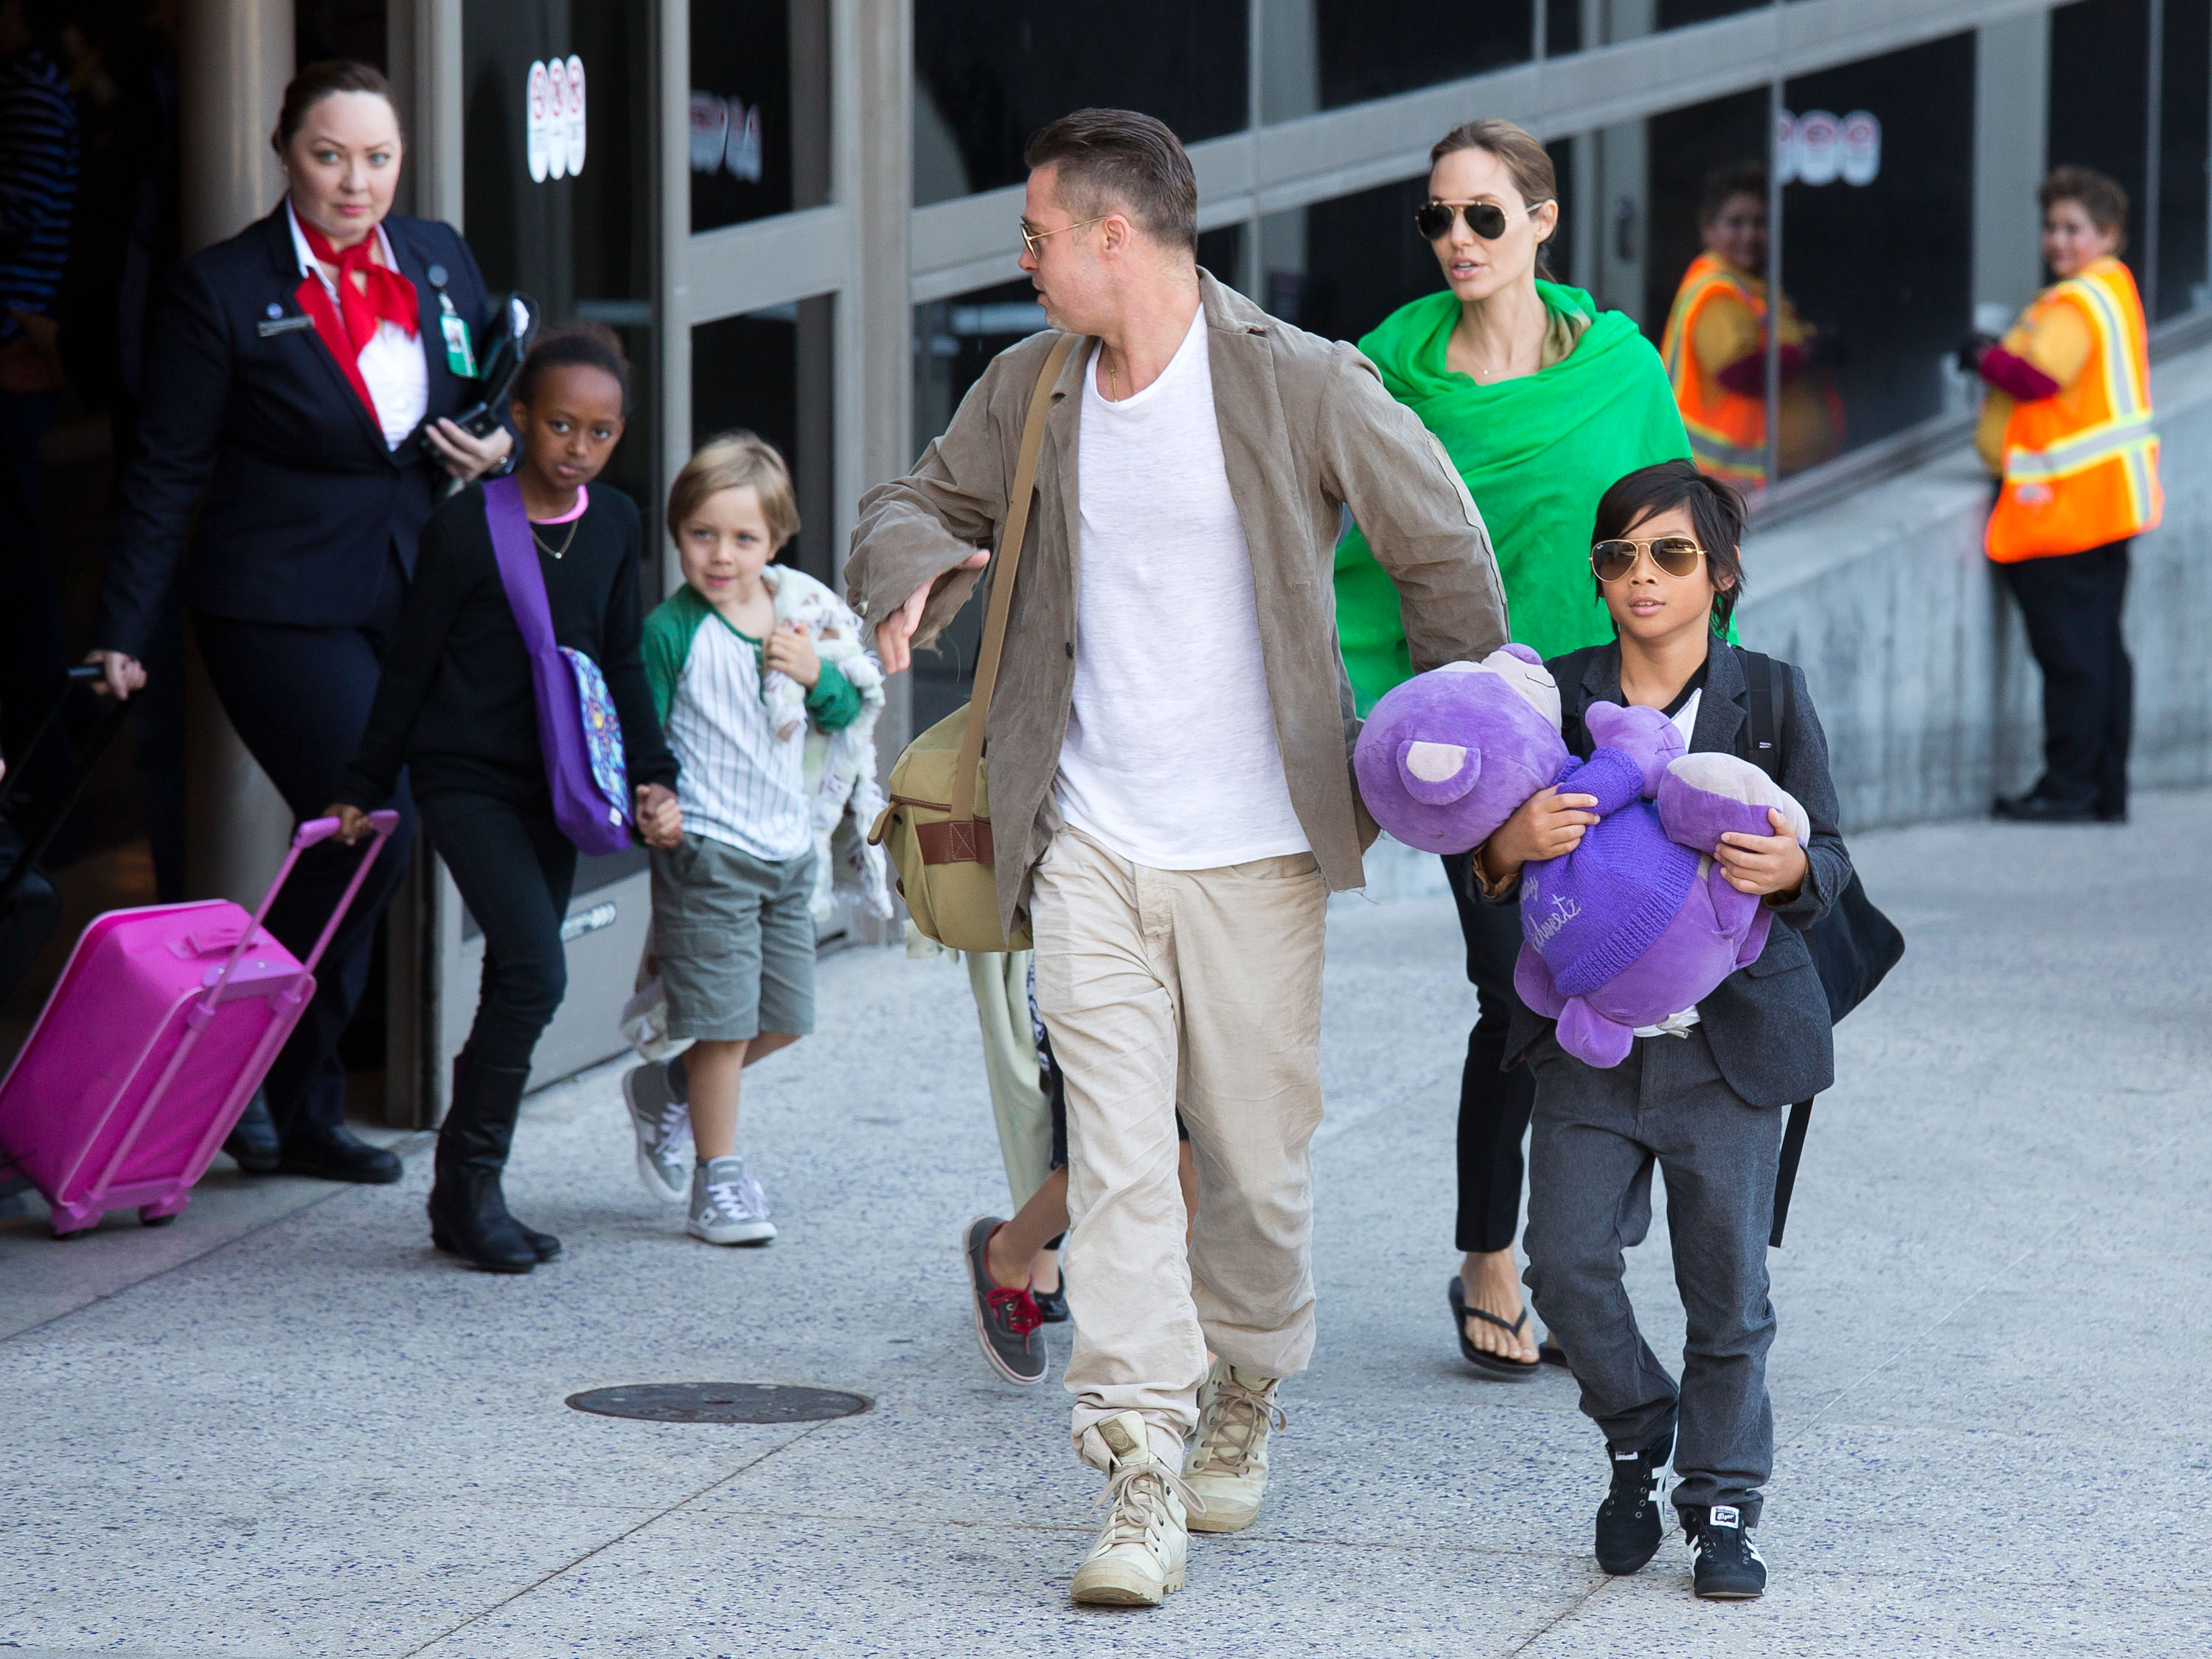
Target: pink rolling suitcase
point(162, 1026)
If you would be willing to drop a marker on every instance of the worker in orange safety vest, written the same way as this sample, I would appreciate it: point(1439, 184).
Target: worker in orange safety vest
point(2066, 429)
point(1715, 345)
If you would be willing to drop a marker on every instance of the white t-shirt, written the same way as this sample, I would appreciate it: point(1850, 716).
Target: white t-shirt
point(1171, 758)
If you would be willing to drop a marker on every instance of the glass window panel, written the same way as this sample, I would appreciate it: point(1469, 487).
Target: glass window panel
point(1563, 26)
point(760, 109)
point(2099, 81)
point(2184, 140)
point(1338, 267)
point(1323, 54)
point(1675, 14)
point(1877, 249)
point(581, 243)
point(769, 373)
point(989, 73)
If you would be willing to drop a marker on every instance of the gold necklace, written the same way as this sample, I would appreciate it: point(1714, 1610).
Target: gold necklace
point(1113, 380)
point(560, 551)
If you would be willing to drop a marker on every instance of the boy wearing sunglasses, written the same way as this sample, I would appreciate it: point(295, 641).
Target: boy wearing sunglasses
point(1700, 1096)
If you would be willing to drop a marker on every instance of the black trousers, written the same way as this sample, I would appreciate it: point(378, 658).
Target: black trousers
point(1493, 1102)
point(300, 698)
point(515, 870)
point(2071, 604)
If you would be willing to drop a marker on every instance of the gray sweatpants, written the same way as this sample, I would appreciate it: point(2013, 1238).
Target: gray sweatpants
point(1596, 1134)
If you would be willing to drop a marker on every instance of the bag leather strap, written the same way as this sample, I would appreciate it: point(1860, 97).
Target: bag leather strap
point(969, 763)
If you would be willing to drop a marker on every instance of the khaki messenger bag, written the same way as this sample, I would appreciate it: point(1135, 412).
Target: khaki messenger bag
point(938, 825)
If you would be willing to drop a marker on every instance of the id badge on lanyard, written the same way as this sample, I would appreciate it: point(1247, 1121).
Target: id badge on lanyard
point(460, 356)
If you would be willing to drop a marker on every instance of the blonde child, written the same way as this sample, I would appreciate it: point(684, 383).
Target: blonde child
point(732, 922)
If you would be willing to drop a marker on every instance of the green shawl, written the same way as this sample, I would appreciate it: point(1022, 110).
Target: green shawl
point(1536, 454)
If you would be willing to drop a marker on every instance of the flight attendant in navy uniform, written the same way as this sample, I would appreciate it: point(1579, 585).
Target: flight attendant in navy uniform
point(294, 435)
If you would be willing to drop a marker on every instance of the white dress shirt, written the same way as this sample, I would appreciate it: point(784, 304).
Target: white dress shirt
point(392, 365)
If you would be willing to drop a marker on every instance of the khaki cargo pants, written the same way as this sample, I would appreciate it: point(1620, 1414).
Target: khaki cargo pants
point(1200, 989)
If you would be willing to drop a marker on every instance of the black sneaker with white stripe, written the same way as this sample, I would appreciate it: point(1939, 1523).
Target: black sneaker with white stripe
point(1728, 1566)
point(1629, 1530)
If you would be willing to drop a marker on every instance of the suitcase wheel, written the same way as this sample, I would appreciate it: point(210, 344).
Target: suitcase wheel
point(147, 1220)
point(75, 1232)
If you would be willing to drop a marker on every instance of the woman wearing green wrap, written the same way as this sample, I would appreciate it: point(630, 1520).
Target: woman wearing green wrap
point(1542, 401)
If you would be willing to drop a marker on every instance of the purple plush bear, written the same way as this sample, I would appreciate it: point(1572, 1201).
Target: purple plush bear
point(1630, 930)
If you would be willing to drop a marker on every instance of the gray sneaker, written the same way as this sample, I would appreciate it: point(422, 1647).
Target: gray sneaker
point(662, 1124)
point(728, 1204)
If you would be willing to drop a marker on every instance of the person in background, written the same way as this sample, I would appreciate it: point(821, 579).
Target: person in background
point(2066, 430)
point(457, 707)
point(1542, 401)
point(1715, 345)
point(38, 157)
point(733, 897)
point(294, 426)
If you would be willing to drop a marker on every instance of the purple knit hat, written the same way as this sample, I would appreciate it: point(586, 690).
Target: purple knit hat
point(1592, 912)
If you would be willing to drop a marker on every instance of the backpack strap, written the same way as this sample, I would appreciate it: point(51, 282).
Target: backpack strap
point(1769, 712)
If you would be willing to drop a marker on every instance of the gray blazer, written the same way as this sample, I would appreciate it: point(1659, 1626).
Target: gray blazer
point(1767, 1023)
point(1306, 430)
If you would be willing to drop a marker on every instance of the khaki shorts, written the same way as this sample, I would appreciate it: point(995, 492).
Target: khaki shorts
point(733, 938)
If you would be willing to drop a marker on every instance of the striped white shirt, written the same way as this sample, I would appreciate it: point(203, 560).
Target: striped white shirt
point(738, 784)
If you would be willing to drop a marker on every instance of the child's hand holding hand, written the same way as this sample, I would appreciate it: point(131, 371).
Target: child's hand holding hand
point(1771, 865)
point(1546, 825)
point(791, 648)
point(659, 820)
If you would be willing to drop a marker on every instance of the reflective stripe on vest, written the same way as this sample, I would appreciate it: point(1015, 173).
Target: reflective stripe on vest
point(1727, 436)
point(2081, 467)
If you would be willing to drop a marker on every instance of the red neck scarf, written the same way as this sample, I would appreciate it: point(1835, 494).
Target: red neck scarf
point(387, 296)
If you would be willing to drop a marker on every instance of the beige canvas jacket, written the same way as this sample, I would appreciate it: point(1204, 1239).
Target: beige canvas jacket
point(1306, 430)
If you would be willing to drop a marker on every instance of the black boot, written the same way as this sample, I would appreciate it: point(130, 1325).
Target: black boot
point(468, 1212)
point(543, 1246)
point(252, 1144)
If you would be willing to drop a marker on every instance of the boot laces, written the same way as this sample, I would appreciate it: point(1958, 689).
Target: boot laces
point(1238, 1416)
point(1138, 1494)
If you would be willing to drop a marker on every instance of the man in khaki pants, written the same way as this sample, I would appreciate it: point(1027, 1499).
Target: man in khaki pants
point(1171, 797)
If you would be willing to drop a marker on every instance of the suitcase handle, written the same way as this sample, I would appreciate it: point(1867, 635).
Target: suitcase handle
point(309, 834)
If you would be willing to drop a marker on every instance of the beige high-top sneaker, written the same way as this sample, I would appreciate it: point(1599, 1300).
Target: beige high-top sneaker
point(1227, 1466)
point(1138, 1557)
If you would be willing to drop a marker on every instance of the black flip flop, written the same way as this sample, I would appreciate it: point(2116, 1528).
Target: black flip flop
point(1551, 1353)
point(1494, 1366)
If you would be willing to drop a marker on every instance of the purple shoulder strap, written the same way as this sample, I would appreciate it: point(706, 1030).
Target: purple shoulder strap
point(518, 563)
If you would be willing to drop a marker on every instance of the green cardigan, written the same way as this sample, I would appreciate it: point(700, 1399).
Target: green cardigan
point(1536, 454)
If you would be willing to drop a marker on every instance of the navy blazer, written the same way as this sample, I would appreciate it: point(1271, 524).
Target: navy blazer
point(1767, 1023)
point(248, 418)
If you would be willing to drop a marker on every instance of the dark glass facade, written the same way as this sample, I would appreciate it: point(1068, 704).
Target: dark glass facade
point(1883, 269)
point(989, 73)
point(769, 373)
point(760, 109)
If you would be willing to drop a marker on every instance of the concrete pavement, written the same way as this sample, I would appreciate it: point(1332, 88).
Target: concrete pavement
point(308, 1435)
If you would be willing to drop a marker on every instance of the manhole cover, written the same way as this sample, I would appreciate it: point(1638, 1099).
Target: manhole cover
point(719, 1402)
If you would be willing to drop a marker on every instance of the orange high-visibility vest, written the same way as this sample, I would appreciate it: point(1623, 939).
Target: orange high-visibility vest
point(2081, 466)
point(1728, 430)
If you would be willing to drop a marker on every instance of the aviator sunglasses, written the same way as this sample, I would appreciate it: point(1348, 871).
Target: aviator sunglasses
point(1677, 555)
point(1486, 219)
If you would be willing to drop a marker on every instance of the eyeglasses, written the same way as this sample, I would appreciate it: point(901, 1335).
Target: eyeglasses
point(1677, 555)
point(1031, 238)
point(1486, 219)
